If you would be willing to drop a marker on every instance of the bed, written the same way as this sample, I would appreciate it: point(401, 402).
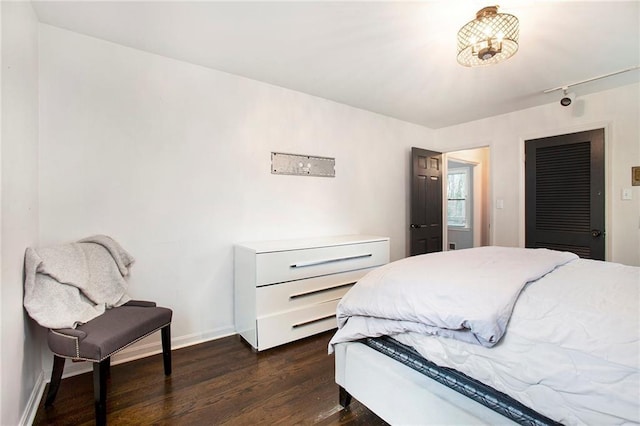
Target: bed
point(493, 335)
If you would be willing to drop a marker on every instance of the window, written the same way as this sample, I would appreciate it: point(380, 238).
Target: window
point(458, 209)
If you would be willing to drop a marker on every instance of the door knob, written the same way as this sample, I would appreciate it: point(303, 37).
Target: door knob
point(414, 226)
point(595, 233)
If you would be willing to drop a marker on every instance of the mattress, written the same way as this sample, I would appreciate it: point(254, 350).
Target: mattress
point(460, 382)
point(403, 396)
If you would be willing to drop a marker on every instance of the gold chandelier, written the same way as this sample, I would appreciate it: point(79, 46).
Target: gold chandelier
point(490, 38)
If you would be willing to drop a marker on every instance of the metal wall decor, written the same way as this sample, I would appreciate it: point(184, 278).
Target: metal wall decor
point(302, 165)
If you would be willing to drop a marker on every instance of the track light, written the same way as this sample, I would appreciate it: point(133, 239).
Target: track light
point(568, 97)
point(611, 74)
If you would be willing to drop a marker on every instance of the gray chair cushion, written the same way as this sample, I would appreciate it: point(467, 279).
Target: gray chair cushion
point(112, 331)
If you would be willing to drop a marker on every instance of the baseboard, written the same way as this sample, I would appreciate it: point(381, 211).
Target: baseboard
point(29, 414)
point(197, 338)
point(144, 348)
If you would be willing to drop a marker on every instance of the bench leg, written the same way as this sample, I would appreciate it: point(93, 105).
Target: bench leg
point(166, 348)
point(344, 397)
point(56, 378)
point(100, 373)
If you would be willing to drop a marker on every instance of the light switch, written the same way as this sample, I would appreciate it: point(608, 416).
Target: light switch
point(627, 194)
point(499, 203)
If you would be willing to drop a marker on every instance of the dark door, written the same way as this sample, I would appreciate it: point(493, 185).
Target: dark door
point(426, 202)
point(564, 193)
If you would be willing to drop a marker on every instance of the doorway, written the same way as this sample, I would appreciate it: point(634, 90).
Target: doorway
point(467, 198)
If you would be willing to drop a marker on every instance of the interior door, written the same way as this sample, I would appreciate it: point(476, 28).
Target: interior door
point(426, 202)
point(564, 193)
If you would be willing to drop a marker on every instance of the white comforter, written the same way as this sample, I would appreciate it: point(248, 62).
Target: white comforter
point(464, 294)
point(571, 350)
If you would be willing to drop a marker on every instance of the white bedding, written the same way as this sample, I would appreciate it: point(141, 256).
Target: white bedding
point(571, 350)
point(572, 347)
point(463, 294)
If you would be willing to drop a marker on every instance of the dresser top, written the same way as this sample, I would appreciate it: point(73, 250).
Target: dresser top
point(305, 243)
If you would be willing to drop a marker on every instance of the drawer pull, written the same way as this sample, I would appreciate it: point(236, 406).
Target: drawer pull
point(318, 291)
point(323, 261)
point(313, 321)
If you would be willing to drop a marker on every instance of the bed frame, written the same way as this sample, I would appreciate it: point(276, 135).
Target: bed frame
point(400, 394)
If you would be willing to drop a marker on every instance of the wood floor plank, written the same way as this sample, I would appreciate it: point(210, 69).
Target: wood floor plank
point(222, 382)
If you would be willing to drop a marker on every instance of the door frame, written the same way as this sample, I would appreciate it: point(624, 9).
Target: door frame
point(474, 227)
point(608, 184)
point(489, 193)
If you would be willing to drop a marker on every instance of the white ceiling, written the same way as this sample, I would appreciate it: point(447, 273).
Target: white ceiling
point(391, 57)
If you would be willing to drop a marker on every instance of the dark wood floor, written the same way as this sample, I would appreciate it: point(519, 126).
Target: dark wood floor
point(215, 383)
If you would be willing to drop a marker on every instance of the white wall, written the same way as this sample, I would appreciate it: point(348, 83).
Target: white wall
point(20, 340)
point(617, 110)
point(173, 161)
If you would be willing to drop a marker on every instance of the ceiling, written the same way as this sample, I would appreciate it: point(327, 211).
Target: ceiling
point(391, 57)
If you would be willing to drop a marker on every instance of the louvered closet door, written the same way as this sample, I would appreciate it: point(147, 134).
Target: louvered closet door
point(564, 179)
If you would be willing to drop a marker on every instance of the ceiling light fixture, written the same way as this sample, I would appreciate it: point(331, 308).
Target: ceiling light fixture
point(490, 38)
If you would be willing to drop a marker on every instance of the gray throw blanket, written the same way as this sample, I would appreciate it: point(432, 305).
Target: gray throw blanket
point(71, 284)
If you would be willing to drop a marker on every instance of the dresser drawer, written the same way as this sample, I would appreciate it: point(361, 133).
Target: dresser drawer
point(285, 290)
point(276, 298)
point(285, 327)
point(282, 266)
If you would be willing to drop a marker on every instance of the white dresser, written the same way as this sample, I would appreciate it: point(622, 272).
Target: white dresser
point(287, 290)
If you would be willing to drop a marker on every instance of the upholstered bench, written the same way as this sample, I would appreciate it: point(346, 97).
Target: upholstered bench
point(103, 336)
